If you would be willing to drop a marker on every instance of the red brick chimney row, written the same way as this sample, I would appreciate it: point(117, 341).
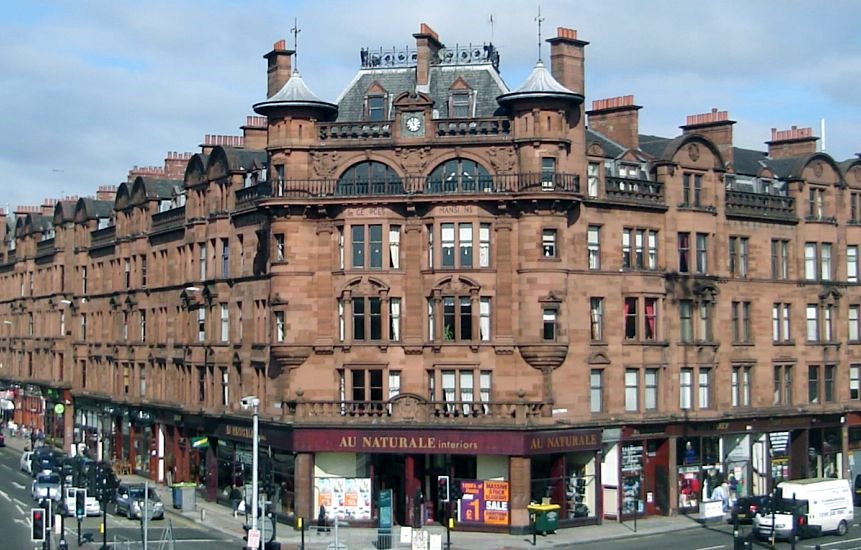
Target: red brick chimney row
point(254, 121)
point(794, 142)
point(224, 140)
point(47, 208)
point(280, 66)
point(565, 32)
point(27, 209)
point(106, 193)
point(618, 119)
point(708, 118)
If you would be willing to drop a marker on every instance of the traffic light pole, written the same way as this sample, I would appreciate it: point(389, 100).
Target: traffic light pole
point(63, 545)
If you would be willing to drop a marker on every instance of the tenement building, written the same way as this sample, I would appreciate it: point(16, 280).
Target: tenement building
point(438, 275)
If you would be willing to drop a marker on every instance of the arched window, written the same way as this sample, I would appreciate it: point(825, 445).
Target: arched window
point(370, 178)
point(459, 176)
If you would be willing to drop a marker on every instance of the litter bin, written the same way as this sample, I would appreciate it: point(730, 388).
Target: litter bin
point(546, 517)
point(183, 496)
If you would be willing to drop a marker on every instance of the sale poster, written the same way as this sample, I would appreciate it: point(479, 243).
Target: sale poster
point(344, 498)
point(484, 502)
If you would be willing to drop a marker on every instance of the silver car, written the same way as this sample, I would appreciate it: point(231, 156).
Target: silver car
point(46, 486)
point(130, 501)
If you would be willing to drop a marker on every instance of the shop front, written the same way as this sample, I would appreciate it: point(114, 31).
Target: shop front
point(636, 472)
point(492, 476)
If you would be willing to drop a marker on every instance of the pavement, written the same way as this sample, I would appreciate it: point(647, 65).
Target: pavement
point(216, 516)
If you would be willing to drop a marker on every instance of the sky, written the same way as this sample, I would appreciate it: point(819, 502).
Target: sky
point(91, 88)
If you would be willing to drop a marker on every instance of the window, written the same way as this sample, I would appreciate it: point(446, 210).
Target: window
point(816, 203)
point(142, 325)
point(686, 388)
point(813, 384)
point(854, 317)
point(828, 383)
point(201, 384)
point(780, 323)
point(225, 258)
point(125, 327)
point(484, 245)
point(596, 391)
point(548, 173)
point(738, 256)
point(458, 388)
point(369, 178)
point(368, 248)
point(280, 327)
point(686, 322)
point(596, 316)
point(704, 324)
point(828, 314)
point(142, 380)
point(810, 261)
point(650, 328)
point(782, 385)
point(639, 248)
point(460, 104)
point(465, 242)
point(127, 268)
point(812, 323)
point(702, 252)
point(630, 313)
point(854, 207)
point(126, 378)
point(447, 244)
point(459, 175)
point(201, 324)
point(460, 320)
point(548, 243)
point(225, 387)
point(684, 252)
point(367, 318)
point(740, 386)
point(484, 319)
point(376, 105)
point(852, 263)
point(395, 246)
point(593, 238)
point(855, 382)
point(84, 280)
point(395, 319)
point(632, 390)
point(779, 259)
point(651, 389)
point(592, 179)
point(143, 271)
point(692, 188)
point(83, 326)
point(549, 330)
point(375, 246)
point(225, 324)
point(705, 387)
point(202, 260)
point(825, 269)
point(62, 323)
point(741, 322)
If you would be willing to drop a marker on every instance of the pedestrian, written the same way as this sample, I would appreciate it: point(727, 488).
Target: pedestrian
point(720, 494)
point(321, 520)
point(235, 498)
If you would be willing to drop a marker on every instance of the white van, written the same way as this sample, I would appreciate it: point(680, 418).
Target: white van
point(821, 505)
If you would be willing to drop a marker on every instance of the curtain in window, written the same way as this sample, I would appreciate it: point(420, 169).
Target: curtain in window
point(395, 319)
point(484, 319)
point(684, 252)
point(448, 388)
point(651, 320)
point(395, 247)
point(466, 390)
point(484, 383)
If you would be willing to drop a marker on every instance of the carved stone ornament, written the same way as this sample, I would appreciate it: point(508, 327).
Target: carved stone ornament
point(502, 158)
point(596, 150)
point(325, 163)
point(694, 152)
point(817, 169)
point(857, 172)
point(413, 159)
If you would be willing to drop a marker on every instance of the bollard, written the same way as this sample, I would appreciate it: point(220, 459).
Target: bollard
point(203, 515)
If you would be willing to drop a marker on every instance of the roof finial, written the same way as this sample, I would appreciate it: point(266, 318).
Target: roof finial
point(539, 19)
point(295, 30)
point(491, 20)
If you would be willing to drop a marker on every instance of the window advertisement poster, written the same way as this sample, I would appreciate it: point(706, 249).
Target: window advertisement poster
point(483, 502)
point(344, 498)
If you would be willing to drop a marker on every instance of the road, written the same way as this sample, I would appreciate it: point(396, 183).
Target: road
point(122, 533)
point(718, 536)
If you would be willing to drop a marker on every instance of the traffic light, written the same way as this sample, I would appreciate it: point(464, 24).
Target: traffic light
point(443, 491)
point(80, 503)
point(37, 521)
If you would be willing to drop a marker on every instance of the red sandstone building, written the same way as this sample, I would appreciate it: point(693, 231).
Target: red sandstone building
point(437, 275)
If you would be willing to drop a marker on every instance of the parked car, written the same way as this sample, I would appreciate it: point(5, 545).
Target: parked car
point(26, 464)
point(46, 486)
point(91, 505)
point(745, 508)
point(130, 501)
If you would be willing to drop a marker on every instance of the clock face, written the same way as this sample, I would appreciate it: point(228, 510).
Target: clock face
point(414, 124)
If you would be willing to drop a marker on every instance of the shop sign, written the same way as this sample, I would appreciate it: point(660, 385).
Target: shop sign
point(564, 441)
point(484, 502)
point(632, 458)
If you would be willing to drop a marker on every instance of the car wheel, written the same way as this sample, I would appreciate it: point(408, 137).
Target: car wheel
point(842, 528)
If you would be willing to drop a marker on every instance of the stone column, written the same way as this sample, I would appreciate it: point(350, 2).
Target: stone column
point(520, 492)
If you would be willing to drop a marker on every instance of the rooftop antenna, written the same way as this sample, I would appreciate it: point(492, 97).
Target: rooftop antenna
point(491, 21)
point(822, 131)
point(295, 30)
point(539, 19)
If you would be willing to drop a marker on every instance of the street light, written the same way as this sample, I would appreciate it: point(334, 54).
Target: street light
point(252, 402)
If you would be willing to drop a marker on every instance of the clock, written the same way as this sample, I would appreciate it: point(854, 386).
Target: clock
point(414, 124)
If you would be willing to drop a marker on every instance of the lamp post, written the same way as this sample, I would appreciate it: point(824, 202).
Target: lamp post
point(253, 403)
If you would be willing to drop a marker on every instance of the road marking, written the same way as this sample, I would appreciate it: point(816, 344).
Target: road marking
point(710, 547)
point(18, 485)
point(4, 495)
point(844, 541)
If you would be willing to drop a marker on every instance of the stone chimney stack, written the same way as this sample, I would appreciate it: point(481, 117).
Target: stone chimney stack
point(794, 142)
point(427, 46)
point(256, 132)
point(175, 164)
point(280, 67)
point(567, 60)
point(716, 126)
point(618, 119)
point(106, 193)
point(47, 208)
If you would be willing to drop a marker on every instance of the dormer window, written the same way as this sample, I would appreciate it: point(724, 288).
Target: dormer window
point(460, 104)
point(376, 107)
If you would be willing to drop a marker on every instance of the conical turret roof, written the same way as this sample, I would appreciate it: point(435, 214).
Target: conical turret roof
point(541, 85)
point(295, 93)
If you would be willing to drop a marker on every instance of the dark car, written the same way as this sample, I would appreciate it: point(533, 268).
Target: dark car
point(745, 508)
